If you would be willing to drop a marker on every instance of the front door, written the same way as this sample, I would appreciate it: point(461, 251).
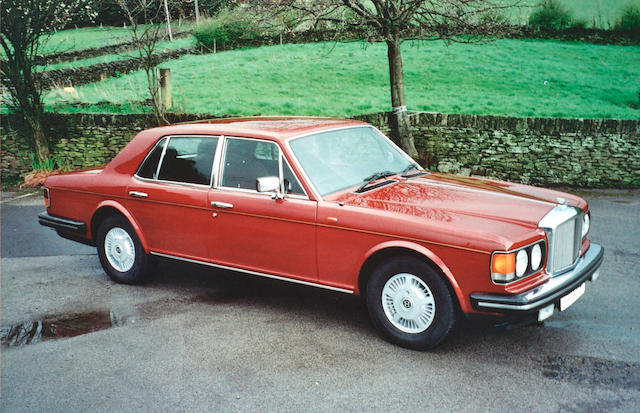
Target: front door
point(252, 230)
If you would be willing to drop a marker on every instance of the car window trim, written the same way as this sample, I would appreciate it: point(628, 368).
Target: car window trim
point(218, 183)
point(149, 154)
point(164, 150)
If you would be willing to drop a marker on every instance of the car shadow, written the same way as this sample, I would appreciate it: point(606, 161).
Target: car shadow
point(211, 286)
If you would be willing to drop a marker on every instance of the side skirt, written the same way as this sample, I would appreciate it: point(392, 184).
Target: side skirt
point(259, 274)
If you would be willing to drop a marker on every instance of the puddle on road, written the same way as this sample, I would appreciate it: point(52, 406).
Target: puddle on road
point(54, 327)
point(592, 371)
point(70, 325)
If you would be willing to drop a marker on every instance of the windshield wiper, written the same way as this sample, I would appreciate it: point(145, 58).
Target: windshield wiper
point(411, 167)
point(374, 177)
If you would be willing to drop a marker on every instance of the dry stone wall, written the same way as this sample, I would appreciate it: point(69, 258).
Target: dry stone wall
point(547, 152)
point(540, 151)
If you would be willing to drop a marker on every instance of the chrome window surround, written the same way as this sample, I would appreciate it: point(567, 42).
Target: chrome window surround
point(220, 166)
point(304, 174)
point(164, 150)
point(550, 223)
point(216, 167)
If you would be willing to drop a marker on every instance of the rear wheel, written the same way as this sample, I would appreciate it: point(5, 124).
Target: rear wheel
point(120, 251)
point(410, 304)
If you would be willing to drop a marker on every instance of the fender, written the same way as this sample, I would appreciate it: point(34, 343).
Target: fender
point(118, 206)
point(427, 253)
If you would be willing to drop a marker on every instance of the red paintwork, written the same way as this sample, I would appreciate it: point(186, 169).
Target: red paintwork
point(455, 222)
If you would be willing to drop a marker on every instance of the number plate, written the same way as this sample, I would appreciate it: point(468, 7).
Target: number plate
point(572, 297)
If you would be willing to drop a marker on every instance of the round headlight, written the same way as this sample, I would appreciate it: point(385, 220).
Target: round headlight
point(522, 261)
point(536, 257)
point(586, 221)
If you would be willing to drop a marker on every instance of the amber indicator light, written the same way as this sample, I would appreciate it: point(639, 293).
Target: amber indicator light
point(503, 263)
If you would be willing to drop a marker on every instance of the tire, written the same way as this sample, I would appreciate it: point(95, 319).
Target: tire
point(410, 304)
point(121, 253)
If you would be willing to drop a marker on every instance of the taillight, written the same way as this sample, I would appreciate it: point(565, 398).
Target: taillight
point(46, 197)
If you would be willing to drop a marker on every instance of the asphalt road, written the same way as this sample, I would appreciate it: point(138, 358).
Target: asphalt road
point(196, 339)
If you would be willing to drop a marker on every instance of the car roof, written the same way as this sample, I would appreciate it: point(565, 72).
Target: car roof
point(273, 127)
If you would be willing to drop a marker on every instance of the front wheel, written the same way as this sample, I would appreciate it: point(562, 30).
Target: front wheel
point(120, 250)
point(410, 304)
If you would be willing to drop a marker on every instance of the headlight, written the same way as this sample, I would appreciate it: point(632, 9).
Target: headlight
point(586, 222)
point(536, 257)
point(522, 262)
point(511, 266)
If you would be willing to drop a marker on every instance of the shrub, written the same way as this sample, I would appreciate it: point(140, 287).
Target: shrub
point(630, 18)
point(550, 15)
point(228, 28)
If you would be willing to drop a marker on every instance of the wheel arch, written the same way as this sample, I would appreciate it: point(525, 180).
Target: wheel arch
point(109, 208)
point(387, 250)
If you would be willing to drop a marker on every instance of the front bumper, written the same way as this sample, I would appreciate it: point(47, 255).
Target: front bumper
point(543, 295)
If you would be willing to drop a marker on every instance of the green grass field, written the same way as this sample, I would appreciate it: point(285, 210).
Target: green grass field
point(507, 77)
point(89, 37)
point(176, 44)
point(601, 12)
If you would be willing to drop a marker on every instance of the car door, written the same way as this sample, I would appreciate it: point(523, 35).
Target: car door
point(168, 196)
point(252, 230)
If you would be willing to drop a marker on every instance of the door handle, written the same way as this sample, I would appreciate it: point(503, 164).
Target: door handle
point(223, 205)
point(137, 194)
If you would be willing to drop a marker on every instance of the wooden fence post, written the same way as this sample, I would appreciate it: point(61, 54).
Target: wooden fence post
point(165, 88)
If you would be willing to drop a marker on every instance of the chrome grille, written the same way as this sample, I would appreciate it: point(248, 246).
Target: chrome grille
point(564, 232)
point(564, 245)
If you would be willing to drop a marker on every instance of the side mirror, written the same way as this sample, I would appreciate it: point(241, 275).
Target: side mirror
point(269, 184)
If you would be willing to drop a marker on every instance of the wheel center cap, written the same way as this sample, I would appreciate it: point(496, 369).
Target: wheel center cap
point(406, 303)
point(118, 249)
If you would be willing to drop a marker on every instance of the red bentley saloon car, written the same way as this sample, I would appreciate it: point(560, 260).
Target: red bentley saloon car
point(334, 204)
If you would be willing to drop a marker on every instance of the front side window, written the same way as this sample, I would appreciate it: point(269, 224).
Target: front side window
point(344, 158)
point(246, 160)
point(184, 159)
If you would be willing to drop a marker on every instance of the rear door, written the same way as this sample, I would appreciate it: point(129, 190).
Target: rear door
point(168, 196)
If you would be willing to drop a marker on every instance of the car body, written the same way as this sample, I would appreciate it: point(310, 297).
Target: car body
point(331, 203)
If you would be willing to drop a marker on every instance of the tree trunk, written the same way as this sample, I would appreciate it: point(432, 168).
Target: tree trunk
point(166, 11)
point(399, 118)
point(39, 138)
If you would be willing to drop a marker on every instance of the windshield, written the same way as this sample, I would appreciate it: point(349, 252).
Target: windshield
point(344, 158)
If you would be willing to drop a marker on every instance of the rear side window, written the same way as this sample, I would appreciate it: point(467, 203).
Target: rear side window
point(149, 166)
point(184, 159)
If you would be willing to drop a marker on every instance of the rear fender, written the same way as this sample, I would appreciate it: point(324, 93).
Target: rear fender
point(121, 209)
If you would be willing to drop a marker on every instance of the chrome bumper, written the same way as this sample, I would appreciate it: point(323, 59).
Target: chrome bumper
point(545, 294)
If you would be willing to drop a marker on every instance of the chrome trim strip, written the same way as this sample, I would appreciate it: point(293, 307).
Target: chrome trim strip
point(259, 274)
point(162, 182)
point(164, 150)
point(215, 171)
